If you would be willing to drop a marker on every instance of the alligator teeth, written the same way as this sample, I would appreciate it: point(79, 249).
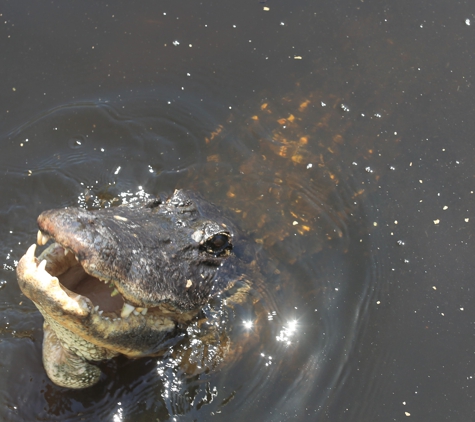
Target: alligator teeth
point(115, 292)
point(126, 310)
point(142, 311)
point(100, 312)
point(41, 238)
point(135, 312)
point(66, 251)
point(42, 266)
point(30, 253)
point(77, 259)
point(96, 308)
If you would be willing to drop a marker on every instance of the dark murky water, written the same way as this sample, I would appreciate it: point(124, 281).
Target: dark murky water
point(339, 137)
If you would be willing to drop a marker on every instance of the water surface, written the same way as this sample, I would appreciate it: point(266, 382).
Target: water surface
point(338, 138)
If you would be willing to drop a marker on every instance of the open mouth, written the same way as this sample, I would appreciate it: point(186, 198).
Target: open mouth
point(59, 285)
point(58, 263)
point(69, 297)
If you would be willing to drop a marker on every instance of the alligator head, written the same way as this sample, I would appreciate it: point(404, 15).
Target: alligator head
point(122, 280)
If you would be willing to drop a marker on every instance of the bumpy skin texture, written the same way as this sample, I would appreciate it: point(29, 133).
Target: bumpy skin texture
point(150, 253)
point(163, 259)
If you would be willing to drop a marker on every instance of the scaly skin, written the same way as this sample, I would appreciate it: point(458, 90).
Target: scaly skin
point(161, 262)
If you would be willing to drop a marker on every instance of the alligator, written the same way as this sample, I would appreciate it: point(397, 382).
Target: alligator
point(124, 280)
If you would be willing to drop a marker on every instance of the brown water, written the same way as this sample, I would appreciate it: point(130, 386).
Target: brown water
point(338, 135)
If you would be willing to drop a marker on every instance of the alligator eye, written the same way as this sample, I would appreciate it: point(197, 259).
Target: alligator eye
point(218, 244)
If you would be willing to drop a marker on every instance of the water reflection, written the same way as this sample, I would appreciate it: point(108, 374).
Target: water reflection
point(118, 416)
point(287, 332)
point(248, 324)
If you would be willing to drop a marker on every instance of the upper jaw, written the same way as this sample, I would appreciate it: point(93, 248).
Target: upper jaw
point(76, 231)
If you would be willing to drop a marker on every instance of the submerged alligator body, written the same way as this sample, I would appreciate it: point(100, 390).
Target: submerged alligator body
point(123, 280)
